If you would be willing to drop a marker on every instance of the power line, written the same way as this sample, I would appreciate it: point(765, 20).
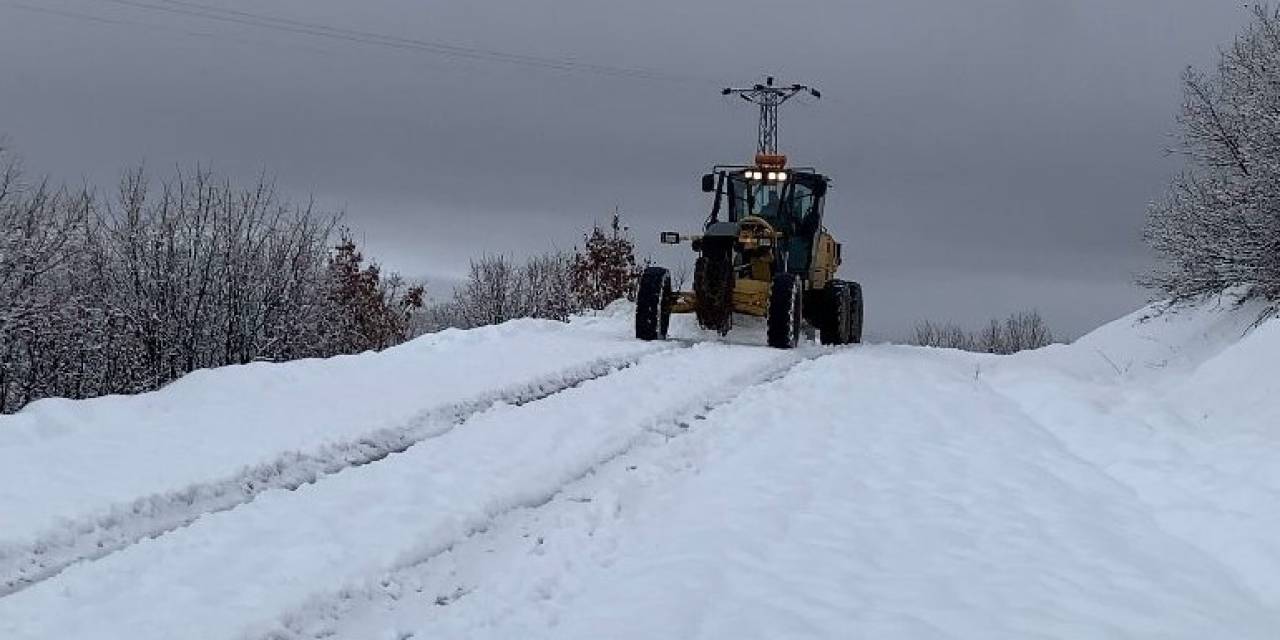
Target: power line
point(319, 30)
point(88, 17)
point(314, 29)
point(74, 14)
point(503, 56)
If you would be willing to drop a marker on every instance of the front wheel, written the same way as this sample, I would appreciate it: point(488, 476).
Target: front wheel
point(786, 301)
point(713, 281)
point(653, 304)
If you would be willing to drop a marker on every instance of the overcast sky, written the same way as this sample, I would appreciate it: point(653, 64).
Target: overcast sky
point(987, 155)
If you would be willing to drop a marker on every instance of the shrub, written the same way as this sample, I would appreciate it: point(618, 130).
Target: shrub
point(1018, 332)
point(605, 269)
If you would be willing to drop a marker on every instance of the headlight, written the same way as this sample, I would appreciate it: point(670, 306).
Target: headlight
point(782, 175)
point(773, 175)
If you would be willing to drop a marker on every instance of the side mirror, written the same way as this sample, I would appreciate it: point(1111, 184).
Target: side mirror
point(669, 237)
point(709, 183)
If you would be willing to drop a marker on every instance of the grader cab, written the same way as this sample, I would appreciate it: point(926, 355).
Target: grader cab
point(763, 252)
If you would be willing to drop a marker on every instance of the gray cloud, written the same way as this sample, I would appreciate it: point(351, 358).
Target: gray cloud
point(988, 155)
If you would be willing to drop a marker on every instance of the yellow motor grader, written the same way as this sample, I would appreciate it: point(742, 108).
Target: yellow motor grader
point(763, 250)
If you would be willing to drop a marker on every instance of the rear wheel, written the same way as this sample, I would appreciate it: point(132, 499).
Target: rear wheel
point(785, 311)
point(653, 304)
point(855, 314)
point(837, 313)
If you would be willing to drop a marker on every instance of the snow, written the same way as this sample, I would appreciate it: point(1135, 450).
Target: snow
point(1124, 486)
point(217, 575)
point(924, 503)
point(113, 469)
point(1190, 428)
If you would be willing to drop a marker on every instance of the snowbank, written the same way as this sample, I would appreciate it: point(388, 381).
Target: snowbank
point(241, 568)
point(1183, 409)
point(1153, 344)
point(69, 462)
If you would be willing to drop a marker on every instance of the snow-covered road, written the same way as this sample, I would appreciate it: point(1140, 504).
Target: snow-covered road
point(1125, 486)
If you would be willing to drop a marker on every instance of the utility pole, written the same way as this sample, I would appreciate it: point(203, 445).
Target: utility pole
point(769, 98)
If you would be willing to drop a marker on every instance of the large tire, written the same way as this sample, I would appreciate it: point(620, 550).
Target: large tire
point(713, 282)
point(653, 304)
point(855, 313)
point(786, 311)
point(837, 313)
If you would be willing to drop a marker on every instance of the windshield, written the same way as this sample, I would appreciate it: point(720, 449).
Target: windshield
point(783, 204)
point(754, 198)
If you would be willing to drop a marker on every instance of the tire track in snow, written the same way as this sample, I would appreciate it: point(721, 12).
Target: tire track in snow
point(120, 526)
point(237, 572)
point(319, 617)
point(506, 582)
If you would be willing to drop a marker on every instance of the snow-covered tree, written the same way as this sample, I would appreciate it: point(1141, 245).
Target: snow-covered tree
point(489, 296)
point(546, 287)
point(1219, 225)
point(103, 296)
point(947, 336)
point(46, 314)
point(498, 290)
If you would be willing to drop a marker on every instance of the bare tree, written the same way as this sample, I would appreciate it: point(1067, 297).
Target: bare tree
point(435, 317)
point(1022, 331)
point(679, 275)
point(991, 339)
point(123, 296)
point(489, 295)
point(1018, 332)
point(498, 290)
point(546, 287)
point(1219, 225)
point(44, 308)
point(947, 336)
